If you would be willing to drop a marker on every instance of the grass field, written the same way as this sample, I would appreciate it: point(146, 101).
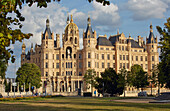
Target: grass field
point(78, 104)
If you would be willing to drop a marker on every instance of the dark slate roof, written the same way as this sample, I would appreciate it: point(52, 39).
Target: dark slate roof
point(113, 39)
point(134, 44)
point(150, 37)
point(103, 41)
point(89, 28)
point(48, 31)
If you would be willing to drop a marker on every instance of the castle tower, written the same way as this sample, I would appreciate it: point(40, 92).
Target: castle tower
point(89, 37)
point(47, 36)
point(71, 35)
point(153, 56)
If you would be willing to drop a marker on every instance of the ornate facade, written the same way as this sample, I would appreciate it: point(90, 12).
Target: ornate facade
point(63, 67)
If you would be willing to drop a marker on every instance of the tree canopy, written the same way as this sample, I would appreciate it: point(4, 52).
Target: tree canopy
point(29, 73)
point(90, 78)
point(164, 65)
point(138, 78)
point(111, 82)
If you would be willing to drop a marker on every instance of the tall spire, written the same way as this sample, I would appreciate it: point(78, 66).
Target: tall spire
point(89, 20)
point(48, 23)
point(151, 27)
point(68, 21)
point(71, 18)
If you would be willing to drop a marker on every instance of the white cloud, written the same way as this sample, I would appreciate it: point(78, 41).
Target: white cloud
point(105, 18)
point(146, 9)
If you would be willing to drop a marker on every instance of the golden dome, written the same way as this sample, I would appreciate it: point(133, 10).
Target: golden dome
point(71, 25)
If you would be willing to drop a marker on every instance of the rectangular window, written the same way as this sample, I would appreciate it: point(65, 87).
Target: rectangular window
point(142, 66)
point(97, 65)
point(80, 65)
point(123, 57)
point(46, 65)
point(101, 48)
point(123, 48)
point(120, 65)
point(53, 56)
point(53, 65)
point(153, 66)
point(136, 58)
point(113, 65)
point(63, 56)
point(89, 55)
point(80, 73)
point(102, 56)
point(57, 56)
point(152, 58)
point(127, 57)
point(57, 65)
point(80, 56)
point(146, 66)
point(126, 48)
point(89, 64)
point(146, 58)
point(57, 73)
point(119, 47)
point(127, 65)
point(113, 57)
point(141, 58)
point(97, 56)
point(123, 65)
point(108, 57)
point(132, 58)
point(120, 57)
point(108, 65)
point(107, 48)
point(46, 57)
point(102, 64)
point(46, 74)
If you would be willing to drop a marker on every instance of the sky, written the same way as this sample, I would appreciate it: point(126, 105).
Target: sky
point(128, 16)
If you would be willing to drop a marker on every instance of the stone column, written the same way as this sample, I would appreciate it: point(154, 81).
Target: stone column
point(58, 86)
point(11, 86)
point(64, 86)
point(24, 87)
point(71, 85)
point(54, 85)
point(18, 86)
point(74, 83)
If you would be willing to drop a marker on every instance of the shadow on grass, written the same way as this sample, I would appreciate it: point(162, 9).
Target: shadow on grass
point(92, 102)
point(27, 107)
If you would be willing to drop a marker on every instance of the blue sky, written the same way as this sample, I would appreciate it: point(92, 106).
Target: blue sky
point(129, 16)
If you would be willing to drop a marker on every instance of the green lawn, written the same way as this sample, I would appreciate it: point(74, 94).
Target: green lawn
point(78, 104)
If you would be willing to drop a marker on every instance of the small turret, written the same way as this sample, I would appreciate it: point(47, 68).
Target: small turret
point(68, 21)
point(71, 21)
point(23, 48)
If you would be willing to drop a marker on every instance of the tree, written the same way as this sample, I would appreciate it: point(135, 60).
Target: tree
point(29, 73)
point(164, 65)
point(9, 35)
point(124, 73)
point(3, 68)
point(110, 82)
point(89, 78)
point(138, 78)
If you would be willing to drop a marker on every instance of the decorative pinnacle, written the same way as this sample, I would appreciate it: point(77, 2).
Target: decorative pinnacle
point(151, 27)
point(71, 18)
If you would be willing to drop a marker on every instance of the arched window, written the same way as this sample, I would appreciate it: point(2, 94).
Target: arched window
point(75, 40)
point(71, 39)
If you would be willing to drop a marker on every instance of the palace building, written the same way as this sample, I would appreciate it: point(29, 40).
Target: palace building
point(63, 67)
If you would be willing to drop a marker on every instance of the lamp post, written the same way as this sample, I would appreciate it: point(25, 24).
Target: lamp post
point(14, 77)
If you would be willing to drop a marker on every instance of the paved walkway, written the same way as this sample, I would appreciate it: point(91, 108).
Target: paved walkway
point(135, 100)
